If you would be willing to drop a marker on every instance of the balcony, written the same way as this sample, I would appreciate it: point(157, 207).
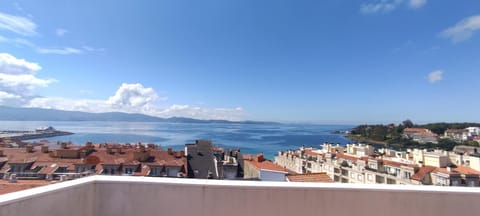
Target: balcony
point(125, 195)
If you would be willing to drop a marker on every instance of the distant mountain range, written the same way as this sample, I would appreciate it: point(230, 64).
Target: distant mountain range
point(39, 114)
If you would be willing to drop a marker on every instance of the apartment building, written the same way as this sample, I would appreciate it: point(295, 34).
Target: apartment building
point(385, 166)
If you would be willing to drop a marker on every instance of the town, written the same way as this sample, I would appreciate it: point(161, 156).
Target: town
point(33, 165)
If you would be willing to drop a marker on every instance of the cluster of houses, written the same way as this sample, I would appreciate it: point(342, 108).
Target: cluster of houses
point(69, 161)
point(353, 163)
point(358, 163)
point(198, 160)
point(423, 135)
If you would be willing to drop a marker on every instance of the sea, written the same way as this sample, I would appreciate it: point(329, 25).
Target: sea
point(267, 138)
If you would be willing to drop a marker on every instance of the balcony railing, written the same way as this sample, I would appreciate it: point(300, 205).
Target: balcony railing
point(139, 196)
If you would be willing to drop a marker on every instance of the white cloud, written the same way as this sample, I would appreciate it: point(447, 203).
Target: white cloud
point(385, 6)
point(17, 24)
point(59, 51)
point(135, 98)
point(60, 32)
point(417, 3)
point(463, 30)
point(11, 65)
point(435, 76)
point(18, 79)
point(84, 105)
point(9, 98)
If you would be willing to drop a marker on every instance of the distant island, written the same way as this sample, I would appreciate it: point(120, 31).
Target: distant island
point(39, 114)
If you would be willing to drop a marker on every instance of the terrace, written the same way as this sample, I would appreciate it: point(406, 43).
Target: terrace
point(126, 195)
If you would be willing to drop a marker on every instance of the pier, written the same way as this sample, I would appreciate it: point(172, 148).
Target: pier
point(37, 134)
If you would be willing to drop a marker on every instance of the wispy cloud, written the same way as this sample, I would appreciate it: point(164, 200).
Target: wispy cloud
point(60, 32)
point(26, 27)
point(417, 3)
point(59, 51)
point(17, 24)
point(463, 30)
point(93, 49)
point(435, 76)
point(385, 6)
point(50, 50)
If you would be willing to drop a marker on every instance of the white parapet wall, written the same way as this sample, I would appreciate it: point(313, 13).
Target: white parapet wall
point(138, 196)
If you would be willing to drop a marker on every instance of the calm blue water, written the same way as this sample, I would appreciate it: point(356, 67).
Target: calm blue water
point(250, 138)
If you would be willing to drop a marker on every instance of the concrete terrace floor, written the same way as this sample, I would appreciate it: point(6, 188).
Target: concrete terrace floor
point(120, 195)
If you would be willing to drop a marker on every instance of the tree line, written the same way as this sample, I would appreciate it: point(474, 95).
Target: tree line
point(391, 134)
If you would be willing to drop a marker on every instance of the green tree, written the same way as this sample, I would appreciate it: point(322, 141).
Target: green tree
point(407, 123)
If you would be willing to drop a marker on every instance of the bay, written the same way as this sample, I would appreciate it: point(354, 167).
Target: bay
point(250, 138)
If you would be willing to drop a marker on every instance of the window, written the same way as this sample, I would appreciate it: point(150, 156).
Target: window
point(407, 175)
point(128, 170)
point(455, 183)
point(441, 181)
point(369, 177)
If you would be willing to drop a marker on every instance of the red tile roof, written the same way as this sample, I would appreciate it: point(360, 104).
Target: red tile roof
point(259, 162)
point(422, 172)
point(310, 177)
point(455, 131)
point(99, 156)
point(415, 130)
point(310, 152)
point(458, 170)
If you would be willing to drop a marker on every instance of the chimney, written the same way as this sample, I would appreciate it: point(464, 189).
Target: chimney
point(142, 148)
point(170, 151)
point(29, 148)
point(83, 154)
point(63, 145)
point(44, 149)
point(141, 156)
point(260, 158)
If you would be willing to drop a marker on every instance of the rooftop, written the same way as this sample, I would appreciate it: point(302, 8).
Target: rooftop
point(309, 177)
point(259, 162)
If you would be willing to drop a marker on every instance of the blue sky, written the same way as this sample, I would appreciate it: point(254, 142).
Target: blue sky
point(332, 61)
